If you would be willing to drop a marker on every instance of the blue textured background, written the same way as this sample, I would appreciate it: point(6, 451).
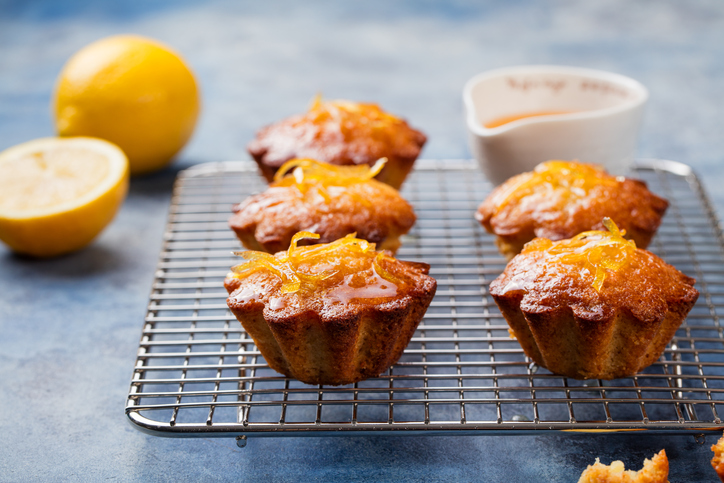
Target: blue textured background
point(69, 327)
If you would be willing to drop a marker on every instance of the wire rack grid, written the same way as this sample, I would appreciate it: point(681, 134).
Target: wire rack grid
point(199, 374)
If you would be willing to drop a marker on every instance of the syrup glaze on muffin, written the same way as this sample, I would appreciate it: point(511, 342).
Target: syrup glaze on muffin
point(594, 306)
point(342, 133)
point(331, 201)
point(329, 314)
point(561, 199)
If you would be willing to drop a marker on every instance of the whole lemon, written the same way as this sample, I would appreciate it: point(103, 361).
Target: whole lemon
point(132, 91)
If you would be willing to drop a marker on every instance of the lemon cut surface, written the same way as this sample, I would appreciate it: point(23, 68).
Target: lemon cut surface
point(57, 194)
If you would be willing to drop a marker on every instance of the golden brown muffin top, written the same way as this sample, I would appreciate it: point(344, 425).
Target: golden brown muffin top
point(595, 273)
point(333, 201)
point(338, 132)
point(328, 279)
point(560, 199)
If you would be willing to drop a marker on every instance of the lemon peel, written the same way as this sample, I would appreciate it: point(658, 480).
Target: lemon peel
point(342, 109)
point(596, 251)
point(573, 178)
point(299, 267)
point(308, 172)
point(310, 176)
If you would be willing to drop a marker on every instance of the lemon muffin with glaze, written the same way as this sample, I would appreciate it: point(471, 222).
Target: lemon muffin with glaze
point(334, 313)
point(340, 132)
point(560, 199)
point(593, 306)
point(332, 201)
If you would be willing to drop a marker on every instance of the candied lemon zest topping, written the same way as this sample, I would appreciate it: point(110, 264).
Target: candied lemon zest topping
point(573, 178)
point(341, 110)
point(299, 267)
point(316, 102)
point(598, 251)
point(307, 172)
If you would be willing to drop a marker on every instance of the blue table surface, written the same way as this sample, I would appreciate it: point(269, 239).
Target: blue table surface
point(69, 327)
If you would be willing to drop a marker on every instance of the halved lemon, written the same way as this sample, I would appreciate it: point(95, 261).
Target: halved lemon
point(57, 194)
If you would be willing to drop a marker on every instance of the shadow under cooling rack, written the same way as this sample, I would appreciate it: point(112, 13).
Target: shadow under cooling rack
point(199, 374)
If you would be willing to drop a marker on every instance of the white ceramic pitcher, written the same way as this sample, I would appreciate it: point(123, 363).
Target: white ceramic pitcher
point(597, 118)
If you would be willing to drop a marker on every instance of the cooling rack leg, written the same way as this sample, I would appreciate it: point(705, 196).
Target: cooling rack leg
point(241, 441)
point(700, 438)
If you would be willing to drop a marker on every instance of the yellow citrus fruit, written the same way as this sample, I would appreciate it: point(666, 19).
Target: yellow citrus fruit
point(133, 92)
point(57, 194)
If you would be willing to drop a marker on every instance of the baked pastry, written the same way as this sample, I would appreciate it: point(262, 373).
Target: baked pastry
point(343, 133)
point(717, 462)
point(329, 314)
point(655, 470)
point(560, 199)
point(332, 201)
point(593, 306)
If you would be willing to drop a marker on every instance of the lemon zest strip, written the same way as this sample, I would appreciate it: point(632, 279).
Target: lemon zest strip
point(574, 177)
point(597, 251)
point(288, 266)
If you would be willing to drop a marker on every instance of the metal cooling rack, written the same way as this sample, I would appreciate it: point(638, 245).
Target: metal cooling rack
point(199, 374)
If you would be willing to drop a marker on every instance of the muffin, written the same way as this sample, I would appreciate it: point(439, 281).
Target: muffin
point(593, 306)
point(329, 314)
point(561, 199)
point(342, 133)
point(332, 201)
point(717, 462)
point(655, 470)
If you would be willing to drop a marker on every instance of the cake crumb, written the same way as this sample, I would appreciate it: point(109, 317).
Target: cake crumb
point(655, 470)
point(717, 462)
